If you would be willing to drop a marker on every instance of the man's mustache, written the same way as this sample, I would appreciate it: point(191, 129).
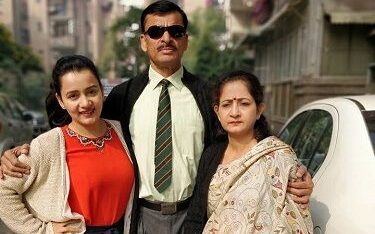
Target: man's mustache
point(167, 46)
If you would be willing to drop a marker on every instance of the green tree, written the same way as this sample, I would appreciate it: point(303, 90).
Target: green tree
point(123, 52)
point(35, 90)
point(17, 62)
point(208, 55)
point(13, 54)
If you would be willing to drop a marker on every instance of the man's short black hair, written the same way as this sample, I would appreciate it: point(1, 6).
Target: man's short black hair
point(160, 8)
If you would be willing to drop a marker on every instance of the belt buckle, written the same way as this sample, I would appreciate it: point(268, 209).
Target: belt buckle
point(168, 208)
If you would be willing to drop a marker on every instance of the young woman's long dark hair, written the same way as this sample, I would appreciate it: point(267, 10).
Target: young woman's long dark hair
point(57, 116)
point(261, 126)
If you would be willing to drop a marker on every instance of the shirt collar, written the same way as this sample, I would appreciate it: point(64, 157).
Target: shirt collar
point(175, 78)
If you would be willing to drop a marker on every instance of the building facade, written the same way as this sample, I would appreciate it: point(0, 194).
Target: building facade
point(60, 27)
point(305, 50)
point(13, 14)
point(189, 6)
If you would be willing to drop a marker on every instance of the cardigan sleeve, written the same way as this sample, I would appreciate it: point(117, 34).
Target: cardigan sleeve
point(13, 210)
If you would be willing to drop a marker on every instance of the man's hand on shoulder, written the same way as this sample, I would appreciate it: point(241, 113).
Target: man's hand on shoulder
point(11, 166)
point(302, 188)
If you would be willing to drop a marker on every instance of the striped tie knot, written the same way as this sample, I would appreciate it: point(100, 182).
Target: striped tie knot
point(164, 83)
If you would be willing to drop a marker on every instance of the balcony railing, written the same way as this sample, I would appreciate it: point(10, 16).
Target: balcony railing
point(63, 42)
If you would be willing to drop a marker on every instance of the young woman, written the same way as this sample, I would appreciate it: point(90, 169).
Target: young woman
point(242, 179)
point(81, 178)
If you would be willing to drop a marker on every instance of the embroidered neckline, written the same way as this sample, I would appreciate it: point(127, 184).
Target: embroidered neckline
point(97, 142)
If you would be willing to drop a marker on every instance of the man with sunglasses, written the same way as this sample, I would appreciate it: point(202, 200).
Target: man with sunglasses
point(163, 200)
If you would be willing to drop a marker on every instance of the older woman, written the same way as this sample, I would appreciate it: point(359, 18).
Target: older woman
point(242, 179)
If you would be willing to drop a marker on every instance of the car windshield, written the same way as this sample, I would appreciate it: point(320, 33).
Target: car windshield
point(370, 121)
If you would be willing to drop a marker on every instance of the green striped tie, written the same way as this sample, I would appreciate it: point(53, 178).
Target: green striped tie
point(163, 142)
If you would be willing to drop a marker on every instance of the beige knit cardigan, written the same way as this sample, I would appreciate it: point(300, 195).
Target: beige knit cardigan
point(28, 205)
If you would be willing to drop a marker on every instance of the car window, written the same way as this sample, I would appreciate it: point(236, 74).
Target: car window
point(311, 140)
point(370, 122)
point(290, 131)
point(321, 151)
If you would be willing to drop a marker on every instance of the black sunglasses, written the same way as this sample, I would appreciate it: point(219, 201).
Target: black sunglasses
point(156, 32)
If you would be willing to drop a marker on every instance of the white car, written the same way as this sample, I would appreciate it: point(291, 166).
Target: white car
point(335, 139)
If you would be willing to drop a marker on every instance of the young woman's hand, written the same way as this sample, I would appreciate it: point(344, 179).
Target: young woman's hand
point(66, 227)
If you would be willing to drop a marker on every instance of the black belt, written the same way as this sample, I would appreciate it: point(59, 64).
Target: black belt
point(117, 227)
point(166, 208)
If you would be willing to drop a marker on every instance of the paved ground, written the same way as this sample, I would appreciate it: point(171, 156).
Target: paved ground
point(4, 229)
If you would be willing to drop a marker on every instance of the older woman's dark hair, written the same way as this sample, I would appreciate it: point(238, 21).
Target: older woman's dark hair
point(71, 63)
point(261, 126)
point(161, 8)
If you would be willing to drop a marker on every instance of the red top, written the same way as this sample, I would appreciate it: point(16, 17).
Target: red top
point(101, 179)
